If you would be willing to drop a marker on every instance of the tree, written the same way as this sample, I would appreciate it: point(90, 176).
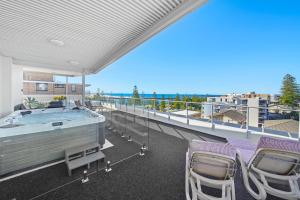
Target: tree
point(163, 103)
point(185, 99)
point(289, 91)
point(135, 95)
point(176, 104)
point(97, 95)
point(154, 103)
point(198, 100)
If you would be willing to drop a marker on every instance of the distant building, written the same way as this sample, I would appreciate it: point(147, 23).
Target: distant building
point(251, 95)
point(206, 110)
point(43, 87)
point(258, 111)
point(274, 99)
point(257, 103)
point(229, 98)
point(213, 99)
point(209, 108)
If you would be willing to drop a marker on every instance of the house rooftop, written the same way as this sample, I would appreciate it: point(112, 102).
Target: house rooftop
point(288, 125)
point(233, 114)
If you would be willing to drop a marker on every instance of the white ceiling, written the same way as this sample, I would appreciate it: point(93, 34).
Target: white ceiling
point(95, 33)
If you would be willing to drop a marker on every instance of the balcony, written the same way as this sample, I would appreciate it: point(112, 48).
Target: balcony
point(144, 143)
point(131, 178)
point(128, 127)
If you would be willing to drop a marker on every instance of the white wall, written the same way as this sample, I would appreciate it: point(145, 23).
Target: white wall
point(17, 84)
point(253, 104)
point(11, 83)
point(5, 85)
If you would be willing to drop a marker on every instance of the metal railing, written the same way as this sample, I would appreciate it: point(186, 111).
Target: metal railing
point(207, 114)
point(245, 118)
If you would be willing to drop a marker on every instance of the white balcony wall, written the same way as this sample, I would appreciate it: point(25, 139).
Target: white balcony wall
point(17, 84)
point(11, 78)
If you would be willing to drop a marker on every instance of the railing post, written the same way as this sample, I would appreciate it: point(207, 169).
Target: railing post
point(154, 107)
point(111, 113)
point(143, 105)
point(247, 125)
point(126, 123)
point(134, 106)
point(212, 116)
point(187, 113)
point(111, 101)
point(299, 126)
point(148, 130)
point(169, 117)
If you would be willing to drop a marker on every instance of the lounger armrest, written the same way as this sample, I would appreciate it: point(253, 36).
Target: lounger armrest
point(275, 176)
point(261, 195)
point(207, 180)
point(292, 180)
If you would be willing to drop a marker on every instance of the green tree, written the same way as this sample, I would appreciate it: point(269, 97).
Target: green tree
point(197, 100)
point(136, 95)
point(97, 95)
point(163, 103)
point(289, 91)
point(154, 103)
point(176, 104)
point(183, 104)
point(102, 97)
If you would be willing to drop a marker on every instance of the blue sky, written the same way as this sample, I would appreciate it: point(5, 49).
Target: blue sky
point(225, 46)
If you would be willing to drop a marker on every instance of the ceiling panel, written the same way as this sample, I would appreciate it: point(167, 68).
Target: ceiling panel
point(94, 33)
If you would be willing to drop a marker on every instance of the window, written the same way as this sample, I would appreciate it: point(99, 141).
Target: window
point(73, 88)
point(59, 85)
point(42, 87)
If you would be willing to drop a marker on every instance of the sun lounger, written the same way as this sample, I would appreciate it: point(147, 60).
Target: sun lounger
point(272, 166)
point(213, 165)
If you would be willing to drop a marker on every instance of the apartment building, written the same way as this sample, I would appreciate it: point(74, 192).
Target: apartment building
point(252, 95)
point(209, 108)
point(229, 98)
point(43, 87)
point(251, 104)
point(258, 111)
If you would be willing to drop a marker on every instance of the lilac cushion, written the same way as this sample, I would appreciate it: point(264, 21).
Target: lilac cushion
point(279, 144)
point(246, 148)
point(218, 148)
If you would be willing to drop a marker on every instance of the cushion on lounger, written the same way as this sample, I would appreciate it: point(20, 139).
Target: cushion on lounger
point(220, 165)
point(213, 147)
point(277, 156)
point(246, 147)
point(279, 144)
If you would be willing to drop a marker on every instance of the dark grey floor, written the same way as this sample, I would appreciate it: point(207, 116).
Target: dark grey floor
point(157, 175)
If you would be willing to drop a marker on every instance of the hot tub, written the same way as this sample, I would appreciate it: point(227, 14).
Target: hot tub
point(31, 138)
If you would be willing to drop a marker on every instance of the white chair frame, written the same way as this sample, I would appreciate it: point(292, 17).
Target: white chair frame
point(261, 179)
point(196, 181)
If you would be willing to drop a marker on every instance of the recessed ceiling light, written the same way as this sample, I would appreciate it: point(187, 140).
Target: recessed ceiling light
point(58, 43)
point(73, 62)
